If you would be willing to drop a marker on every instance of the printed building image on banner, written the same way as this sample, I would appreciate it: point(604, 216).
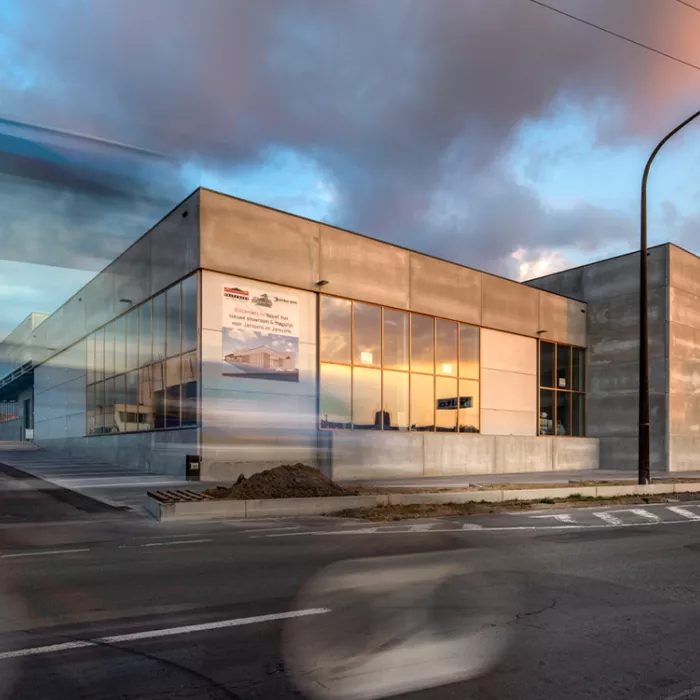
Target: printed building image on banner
point(260, 334)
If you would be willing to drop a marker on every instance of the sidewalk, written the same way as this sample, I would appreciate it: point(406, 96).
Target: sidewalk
point(112, 486)
point(535, 478)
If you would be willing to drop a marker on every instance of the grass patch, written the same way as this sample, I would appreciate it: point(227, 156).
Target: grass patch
point(392, 513)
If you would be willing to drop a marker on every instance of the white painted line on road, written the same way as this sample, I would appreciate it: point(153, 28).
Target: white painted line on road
point(609, 518)
point(561, 517)
point(169, 632)
point(168, 544)
point(684, 512)
point(645, 514)
point(423, 527)
point(42, 554)
point(66, 646)
point(472, 526)
point(271, 529)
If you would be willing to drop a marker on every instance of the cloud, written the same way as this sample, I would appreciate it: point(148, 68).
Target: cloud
point(407, 107)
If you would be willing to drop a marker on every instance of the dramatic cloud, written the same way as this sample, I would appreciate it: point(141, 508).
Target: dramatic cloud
point(409, 107)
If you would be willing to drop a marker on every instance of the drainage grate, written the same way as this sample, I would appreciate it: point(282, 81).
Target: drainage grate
point(178, 496)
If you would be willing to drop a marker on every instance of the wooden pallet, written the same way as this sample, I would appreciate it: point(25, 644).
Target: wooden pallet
point(179, 496)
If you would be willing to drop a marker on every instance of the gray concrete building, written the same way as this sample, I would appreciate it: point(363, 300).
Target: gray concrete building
point(249, 337)
point(610, 288)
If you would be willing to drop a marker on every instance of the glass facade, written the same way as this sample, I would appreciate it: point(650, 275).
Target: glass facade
point(385, 369)
point(143, 367)
point(562, 390)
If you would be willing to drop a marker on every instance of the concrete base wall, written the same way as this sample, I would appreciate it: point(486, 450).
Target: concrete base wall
point(387, 455)
point(157, 452)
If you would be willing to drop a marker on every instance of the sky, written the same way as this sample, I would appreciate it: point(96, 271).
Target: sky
point(495, 133)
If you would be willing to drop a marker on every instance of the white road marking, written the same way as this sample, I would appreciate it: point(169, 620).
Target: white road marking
point(561, 517)
point(472, 526)
point(154, 634)
point(168, 544)
point(272, 529)
point(609, 518)
point(645, 514)
point(685, 693)
point(684, 512)
point(422, 527)
point(42, 554)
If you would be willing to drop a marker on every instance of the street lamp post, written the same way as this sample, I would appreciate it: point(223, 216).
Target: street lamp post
point(644, 442)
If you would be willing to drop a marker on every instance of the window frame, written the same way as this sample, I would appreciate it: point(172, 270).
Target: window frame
point(556, 390)
point(95, 430)
point(409, 371)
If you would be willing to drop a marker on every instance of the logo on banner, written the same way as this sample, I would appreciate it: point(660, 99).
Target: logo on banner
point(236, 293)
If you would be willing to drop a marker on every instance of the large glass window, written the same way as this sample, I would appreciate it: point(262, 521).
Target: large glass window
point(447, 404)
point(547, 364)
point(367, 345)
point(130, 384)
point(422, 402)
point(336, 330)
point(172, 306)
point(446, 347)
point(562, 386)
point(366, 399)
point(385, 369)
point(119, 346)
point(395, 339)
point(395, 416)
point(469, 414)
point(335, 396)
point(422, 344)
point(145, 336)
point(158, 327)
point(132, 340)
point(468, 352)
point(189, 314)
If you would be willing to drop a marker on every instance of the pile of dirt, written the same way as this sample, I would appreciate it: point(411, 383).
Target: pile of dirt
point(285, 481)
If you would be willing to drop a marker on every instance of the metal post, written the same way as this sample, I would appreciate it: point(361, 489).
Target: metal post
point(644, 441)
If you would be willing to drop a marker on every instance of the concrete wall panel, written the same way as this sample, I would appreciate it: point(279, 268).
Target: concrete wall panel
point(443, 289)
point(523, 454)
point(617, 415)
point(508, 352)
point(562, 319)
point(619, 276)
point(624, 378)
point(450, 455)
point(684, 453)
point(613, 327)
point(508, 391)
point(240, 238)
point(370, 455)
point(364, 269)
point(510, 306)
point(499, 422)
point(684, 271)
point(684, 308)
point(573, 454)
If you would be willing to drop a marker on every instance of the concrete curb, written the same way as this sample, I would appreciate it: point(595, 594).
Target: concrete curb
point(223, 510)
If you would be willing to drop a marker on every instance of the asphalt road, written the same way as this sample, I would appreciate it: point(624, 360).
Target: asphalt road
point(110, 606)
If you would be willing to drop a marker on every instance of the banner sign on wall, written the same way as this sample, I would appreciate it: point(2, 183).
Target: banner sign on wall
point(260, 331)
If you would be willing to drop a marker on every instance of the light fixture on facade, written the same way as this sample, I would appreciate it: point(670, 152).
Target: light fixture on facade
point(321, 283)
point(125, 301)
point(540, 332)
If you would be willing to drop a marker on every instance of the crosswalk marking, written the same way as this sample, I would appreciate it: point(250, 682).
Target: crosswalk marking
point(609, 518)
point(561, 517)
point(645, 514)
point(684, 512)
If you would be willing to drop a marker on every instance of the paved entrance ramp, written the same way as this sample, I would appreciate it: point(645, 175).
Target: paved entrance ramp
point(107, 484)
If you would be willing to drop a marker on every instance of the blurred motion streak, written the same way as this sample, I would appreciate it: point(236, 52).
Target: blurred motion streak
point(401, 623)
